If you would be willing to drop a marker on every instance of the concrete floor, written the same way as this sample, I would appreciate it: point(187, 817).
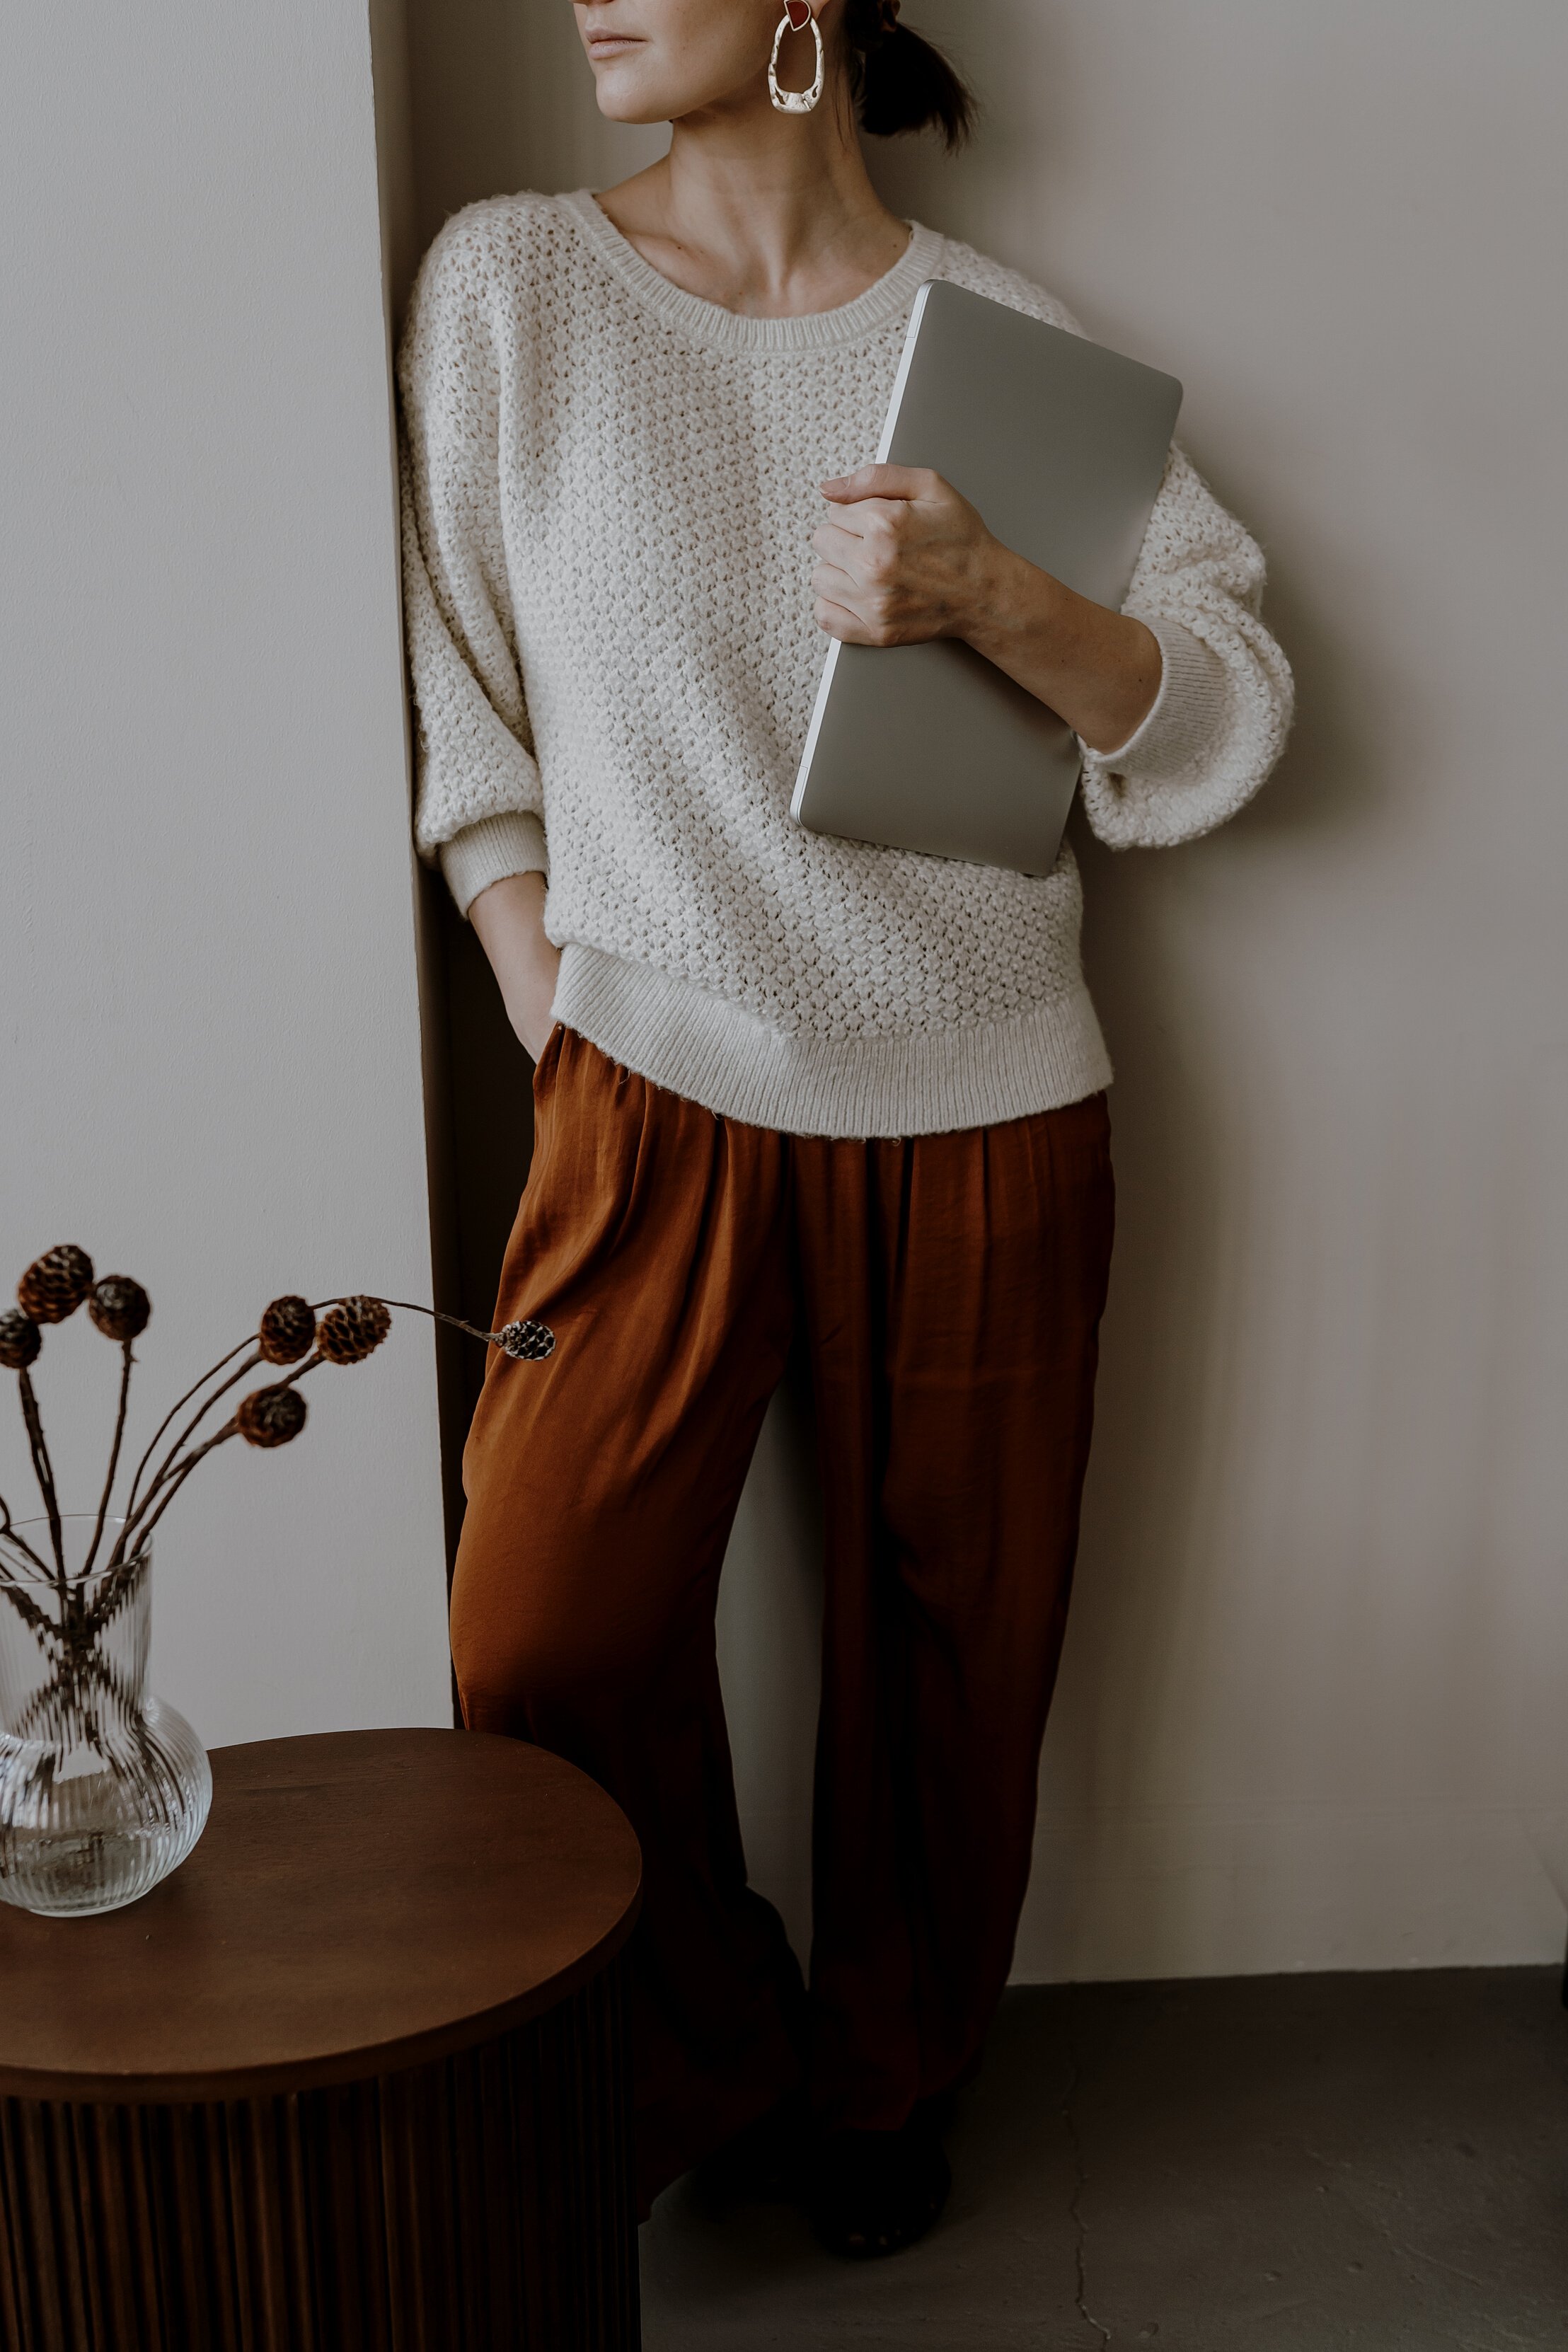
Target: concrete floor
point(1276, 2164)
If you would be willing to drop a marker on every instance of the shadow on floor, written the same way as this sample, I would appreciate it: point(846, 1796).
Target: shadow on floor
point(1267, 2164)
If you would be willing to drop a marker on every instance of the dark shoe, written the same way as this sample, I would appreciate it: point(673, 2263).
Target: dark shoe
point(875, 2192)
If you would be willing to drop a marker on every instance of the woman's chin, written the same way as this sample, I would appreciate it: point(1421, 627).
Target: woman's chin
point(629, 113)
point(625, 97)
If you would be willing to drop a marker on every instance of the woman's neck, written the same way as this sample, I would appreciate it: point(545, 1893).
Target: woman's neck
point(769, 215)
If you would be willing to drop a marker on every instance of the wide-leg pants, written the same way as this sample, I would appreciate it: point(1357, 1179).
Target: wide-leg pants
point(947, 1290)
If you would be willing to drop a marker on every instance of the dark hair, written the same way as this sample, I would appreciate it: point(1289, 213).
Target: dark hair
point(900, 82)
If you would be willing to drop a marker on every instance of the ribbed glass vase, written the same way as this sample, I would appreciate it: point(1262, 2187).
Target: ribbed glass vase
point(103, 1789)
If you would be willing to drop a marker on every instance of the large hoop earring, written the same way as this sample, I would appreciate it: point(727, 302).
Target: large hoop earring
point(797, 101)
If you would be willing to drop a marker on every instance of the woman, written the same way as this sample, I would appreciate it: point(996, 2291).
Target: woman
point(788, 1087)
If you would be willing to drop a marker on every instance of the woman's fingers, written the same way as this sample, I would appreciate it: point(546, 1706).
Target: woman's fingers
point(854, 558)
point(867, 613)
point(833, 581)
point(872, 548)
point(904, 482)
point(840, 621)
point(871, 518)
point(836, 545)
point(899, 557)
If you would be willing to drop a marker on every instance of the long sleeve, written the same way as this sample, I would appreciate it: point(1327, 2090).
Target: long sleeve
point(478, 803)
point(1221, 716)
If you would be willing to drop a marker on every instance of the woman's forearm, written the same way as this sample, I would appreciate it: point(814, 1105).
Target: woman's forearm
point(905, 558)
point(1096, 670)
point(510, 920)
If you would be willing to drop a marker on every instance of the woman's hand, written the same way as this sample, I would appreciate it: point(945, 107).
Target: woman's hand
point(905, 559)
point(510, 919)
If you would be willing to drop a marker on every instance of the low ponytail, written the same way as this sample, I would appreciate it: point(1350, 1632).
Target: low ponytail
point(900, 82)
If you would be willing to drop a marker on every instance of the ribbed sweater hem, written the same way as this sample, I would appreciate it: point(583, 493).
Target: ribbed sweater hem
point(715, 1053)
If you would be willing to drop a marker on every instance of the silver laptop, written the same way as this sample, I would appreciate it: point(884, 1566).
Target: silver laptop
point(1061, 445)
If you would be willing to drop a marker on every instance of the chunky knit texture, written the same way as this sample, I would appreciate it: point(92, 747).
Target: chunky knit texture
point(610, 488)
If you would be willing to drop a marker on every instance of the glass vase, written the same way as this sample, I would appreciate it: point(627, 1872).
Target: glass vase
point(103, 1789)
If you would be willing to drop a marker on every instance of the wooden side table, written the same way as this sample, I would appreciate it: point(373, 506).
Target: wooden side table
point(353, 2079)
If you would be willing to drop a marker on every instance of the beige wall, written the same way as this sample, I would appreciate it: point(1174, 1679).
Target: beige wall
point(209, 1054)
point(1312, 1708)
point(1312, 1713)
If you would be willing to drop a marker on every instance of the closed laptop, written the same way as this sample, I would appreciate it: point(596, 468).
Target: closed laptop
point(1061, 446)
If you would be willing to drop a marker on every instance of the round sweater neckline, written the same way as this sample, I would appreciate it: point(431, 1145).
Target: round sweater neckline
point(710, 323)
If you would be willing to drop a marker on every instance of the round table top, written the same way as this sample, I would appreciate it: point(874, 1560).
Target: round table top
point(359, 1901)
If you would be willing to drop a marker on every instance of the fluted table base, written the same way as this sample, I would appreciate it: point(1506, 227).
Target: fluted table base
point(480, 2204)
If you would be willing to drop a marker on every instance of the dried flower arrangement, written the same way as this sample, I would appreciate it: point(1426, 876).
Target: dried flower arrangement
point(291, 1332)
point(103, 1788)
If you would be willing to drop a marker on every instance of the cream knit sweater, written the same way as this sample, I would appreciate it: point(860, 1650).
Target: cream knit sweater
point(610, 488)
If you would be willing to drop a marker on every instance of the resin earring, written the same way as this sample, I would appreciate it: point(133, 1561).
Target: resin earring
point(796, 16)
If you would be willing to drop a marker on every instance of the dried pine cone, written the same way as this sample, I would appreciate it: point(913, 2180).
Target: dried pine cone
point(353, 1330)
point(270, 1416)
point(20, 1340)
point(528, 1341)
point(56, 1283)
point(287, 1330)
point(119, 1307)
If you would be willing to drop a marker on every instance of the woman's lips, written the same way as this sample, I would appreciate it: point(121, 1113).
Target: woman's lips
point(610, 44)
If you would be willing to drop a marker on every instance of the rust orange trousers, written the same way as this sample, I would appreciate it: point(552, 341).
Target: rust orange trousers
point(947, 1292)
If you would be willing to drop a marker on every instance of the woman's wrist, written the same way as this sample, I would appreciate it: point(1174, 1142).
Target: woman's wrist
point(1016, 605)
point(509, 918)
point(1096, 670)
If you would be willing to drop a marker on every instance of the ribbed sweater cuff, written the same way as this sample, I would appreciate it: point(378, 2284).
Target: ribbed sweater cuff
point(1189, 710)
point(512, 843)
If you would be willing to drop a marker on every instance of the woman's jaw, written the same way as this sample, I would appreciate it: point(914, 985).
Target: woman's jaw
point(660, 61)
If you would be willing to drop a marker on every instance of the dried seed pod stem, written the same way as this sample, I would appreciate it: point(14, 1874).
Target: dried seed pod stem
point(174, 1461)
point(219, 1437)
point(12, 1535)
point(136, 1533)
point(179, 1404)
point(170, 1461)
point(27, 1608)
point(109, 1477)
point(538, 1343)
point(43, 1470)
